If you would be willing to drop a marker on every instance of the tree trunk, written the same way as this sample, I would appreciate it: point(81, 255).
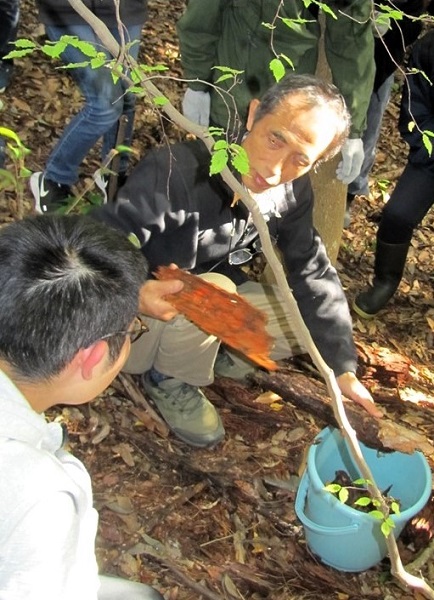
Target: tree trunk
point(330, 193)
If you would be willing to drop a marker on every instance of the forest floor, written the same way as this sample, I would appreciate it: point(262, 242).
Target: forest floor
point(221, 523)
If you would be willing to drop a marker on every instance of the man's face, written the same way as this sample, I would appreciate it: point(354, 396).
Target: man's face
point(285, 144)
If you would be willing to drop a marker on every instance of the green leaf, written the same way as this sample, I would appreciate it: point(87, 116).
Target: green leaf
point(123, 148)
point(97, 62)
point(160, 100)
point(394, 507)
point(24, 43)
point(75, 65)
point(361, 481)
point(134, 239)
point(427, 142)
point(224, 78)
point(385, 529)
point(296, 24)
point(377, 514)
point(153, 68)
point(364, 501)
point(277, 68)
point(343, 495)
point(227, 70)
point(6, 132)
point(219, 160)
point(86, 48)
point(18, 53)
point(25, 172)
point(239, 159)
point(53, 51)
point(287, 60)
point(220, 145)
point(136, 89)
point(215, 131)
point(333, 488)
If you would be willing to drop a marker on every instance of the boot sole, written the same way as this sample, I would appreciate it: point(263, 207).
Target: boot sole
point(362, 313)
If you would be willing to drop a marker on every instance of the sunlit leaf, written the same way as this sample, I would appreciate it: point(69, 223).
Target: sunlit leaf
point(219, 160)
point(277, 68)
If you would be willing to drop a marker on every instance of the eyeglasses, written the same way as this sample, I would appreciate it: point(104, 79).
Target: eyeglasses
point(244, 255)
point(139, 328)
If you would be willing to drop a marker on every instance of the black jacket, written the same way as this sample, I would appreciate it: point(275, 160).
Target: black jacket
point(61, 14)
point(417, 102)
point(180, 214)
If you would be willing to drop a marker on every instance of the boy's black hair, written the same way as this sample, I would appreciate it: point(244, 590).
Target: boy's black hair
point(65, 281)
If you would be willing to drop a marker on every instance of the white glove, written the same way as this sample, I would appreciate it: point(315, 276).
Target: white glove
point(352, 160)
point(196, 106)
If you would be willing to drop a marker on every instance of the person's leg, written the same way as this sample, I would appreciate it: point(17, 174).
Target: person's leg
point(128, 100)
point(176, 358)
point(374, 119)
point(115, 588)
point(101, 111)
point(411, 199)
point(9, 15)
point(280, 326)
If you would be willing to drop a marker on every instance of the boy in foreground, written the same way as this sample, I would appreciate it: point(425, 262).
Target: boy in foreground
point(69, 298)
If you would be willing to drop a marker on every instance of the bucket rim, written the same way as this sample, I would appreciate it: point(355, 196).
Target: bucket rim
point(318, 484)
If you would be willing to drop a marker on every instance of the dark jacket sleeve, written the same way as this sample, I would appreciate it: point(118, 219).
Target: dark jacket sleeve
point(315, 284)
point(155, 206)
point(417, 103)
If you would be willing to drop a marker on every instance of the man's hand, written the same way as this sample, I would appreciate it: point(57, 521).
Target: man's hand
point(353, 389)
point(196, 106)
point(352, 160)
point(152, 302)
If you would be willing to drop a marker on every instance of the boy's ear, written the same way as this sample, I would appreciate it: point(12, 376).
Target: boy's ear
point(251, 114)
point(91, 357)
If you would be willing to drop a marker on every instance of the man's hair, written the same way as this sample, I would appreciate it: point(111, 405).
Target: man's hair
point(65, 281)
point(311, 92)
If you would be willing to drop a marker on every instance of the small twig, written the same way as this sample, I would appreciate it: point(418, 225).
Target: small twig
point(138, 398)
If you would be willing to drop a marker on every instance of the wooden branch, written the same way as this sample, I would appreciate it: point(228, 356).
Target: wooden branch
point(310, 395)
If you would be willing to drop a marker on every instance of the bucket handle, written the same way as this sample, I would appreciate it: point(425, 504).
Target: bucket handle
point(300, 501)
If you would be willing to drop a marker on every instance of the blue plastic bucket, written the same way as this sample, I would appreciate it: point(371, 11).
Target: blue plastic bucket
point(343, 537)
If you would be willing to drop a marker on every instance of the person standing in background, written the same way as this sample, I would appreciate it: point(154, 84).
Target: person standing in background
point(105, 101)
point(390, 48)
point(231, 33)
point(413, 195)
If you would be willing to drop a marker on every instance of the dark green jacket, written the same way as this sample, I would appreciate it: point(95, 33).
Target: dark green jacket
point(60, 13)
point(232, 33)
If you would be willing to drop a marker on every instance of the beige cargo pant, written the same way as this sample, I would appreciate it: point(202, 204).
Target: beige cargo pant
point(179, 349)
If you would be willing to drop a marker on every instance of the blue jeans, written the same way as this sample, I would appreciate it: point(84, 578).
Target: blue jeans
point(105, 102)
point(9, 14)
point(374, 118)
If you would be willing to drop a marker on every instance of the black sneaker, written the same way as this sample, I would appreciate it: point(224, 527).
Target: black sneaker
point(49, 196)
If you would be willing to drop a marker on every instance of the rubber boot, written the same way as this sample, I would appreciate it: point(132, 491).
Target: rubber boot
point(389, 267)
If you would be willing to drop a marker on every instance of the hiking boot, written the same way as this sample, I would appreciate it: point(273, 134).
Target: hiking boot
point(224, 366)
point(186, 410)
point(49, 196)
point(6, 68)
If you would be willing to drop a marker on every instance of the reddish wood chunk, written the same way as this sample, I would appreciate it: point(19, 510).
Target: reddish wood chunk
point(223, 314)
